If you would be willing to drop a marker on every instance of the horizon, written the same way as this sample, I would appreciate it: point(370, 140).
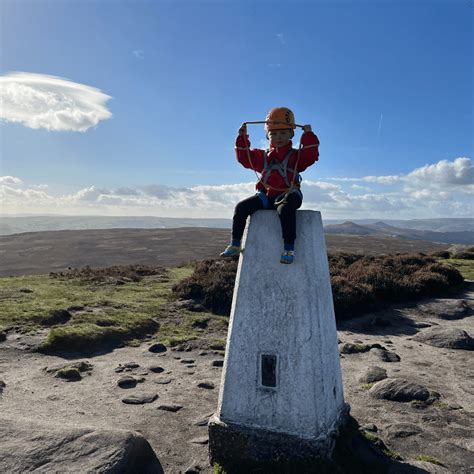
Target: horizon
point(143, 124)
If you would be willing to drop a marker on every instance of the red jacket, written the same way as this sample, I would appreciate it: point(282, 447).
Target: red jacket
point(275, 182)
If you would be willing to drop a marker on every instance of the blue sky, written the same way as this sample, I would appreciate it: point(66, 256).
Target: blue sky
point(386, 85)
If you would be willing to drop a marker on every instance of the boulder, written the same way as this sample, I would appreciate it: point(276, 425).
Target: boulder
point(384, 355)
point(448, 338)
point(41, 447)
point(373, 374)
point(399, 390)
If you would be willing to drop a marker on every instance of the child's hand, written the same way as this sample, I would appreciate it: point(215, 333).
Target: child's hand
point(243, 129)
point(307, 128)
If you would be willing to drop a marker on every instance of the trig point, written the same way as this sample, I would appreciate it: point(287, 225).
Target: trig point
point(281, 396)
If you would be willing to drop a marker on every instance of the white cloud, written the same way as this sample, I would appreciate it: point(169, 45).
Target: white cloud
point(11, 180)
point(411, 196)
point(49, 102)
point(451, 173)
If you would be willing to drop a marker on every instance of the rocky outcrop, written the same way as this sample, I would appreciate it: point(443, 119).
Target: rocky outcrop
point(448, 338)
point(399, 390)
point(42, 447)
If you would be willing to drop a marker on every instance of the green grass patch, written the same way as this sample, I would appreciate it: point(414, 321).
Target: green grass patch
point(428, 458)
point(367, 386)
point(85, 310)
point(465, 267)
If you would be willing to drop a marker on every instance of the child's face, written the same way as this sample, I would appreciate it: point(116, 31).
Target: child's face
point(280, 138)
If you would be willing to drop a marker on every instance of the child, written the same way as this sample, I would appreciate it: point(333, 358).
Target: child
point(278, 187)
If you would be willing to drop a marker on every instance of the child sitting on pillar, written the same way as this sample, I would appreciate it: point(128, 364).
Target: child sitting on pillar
point(279, 185)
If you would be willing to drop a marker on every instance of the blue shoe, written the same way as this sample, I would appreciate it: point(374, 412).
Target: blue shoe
point(231, 250)
point(287, 256)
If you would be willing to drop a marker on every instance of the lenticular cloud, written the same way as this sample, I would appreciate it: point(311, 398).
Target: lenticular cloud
point(53, 103)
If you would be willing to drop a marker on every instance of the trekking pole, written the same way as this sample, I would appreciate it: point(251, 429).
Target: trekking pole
point(267, 121)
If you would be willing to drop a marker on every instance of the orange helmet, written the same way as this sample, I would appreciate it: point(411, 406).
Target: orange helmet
point(279, 118)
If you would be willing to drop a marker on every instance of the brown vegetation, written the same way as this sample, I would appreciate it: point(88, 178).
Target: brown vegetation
point(359, 283)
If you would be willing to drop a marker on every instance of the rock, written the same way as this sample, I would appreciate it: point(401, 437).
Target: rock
point(171, 407)
point(190, 305)
point(187, 361)
point(25, 290)
point(373, 374)
point(203, 353)
point(204, 420)
point(157, 348)
point(384, 355)
point(128, 367)
point(424, 466)
point(449, 309)
point(402, 430)
point(3, 336)
point(71, 374)
point(207, 385)
point(141, 398)
point(217, 347)
point(399, 390)
point(163, 381)
point(349, 348)
point(194, 468)
point(200, 440)
point(127, 381)
point(29, 445)
point(449, 338)
point(156, 369)
point(81, 366)
point(370, 427)
point(218, 363)
point(2, 386)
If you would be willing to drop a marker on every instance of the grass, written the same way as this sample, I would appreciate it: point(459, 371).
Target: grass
point(428, 458)
point(100, 310)
point(367, 386)
point(465, 267)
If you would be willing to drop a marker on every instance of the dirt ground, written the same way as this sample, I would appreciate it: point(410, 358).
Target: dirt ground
point(179, 439)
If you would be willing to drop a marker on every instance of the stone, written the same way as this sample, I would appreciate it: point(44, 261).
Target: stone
point(373, 374)
point(156, 369)
point(194, 468)
point(399, 390)
point(349, 348)
point(29, 445)
point(384, 355)
point(402, 430)
point(170, 407)
point(190, 305)
point(127, 381)
point(204, 420)
point(157, 348)
point(3, 336)
point(448, 338)
point(2, 385)
point(370, 427)
point(206, 385)
point(217, 363)
point(140, 399)
point(449, 309)
point(203, 353)
point(200, 440)
point(187, 361)
point(70, 374)
point(163, 381)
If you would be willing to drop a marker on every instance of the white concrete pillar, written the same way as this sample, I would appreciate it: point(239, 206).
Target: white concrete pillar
point(281, 393)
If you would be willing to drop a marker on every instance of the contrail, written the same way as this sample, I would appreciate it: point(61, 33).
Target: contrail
point(380, 123)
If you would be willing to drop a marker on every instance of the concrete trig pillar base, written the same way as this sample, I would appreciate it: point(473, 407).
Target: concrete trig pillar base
point(281, 393)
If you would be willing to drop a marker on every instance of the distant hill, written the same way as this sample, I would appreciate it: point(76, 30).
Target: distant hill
point(19, 224)
point(42, 252)
point(382, 228)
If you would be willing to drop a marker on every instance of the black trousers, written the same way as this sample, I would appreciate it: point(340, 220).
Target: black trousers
point(286, 212)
